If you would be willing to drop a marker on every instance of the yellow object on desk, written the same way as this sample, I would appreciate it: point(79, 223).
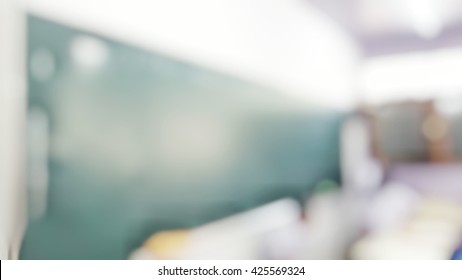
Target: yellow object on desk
point(167, 244)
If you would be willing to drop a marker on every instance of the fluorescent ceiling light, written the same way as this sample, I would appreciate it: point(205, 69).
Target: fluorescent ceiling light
point(425, 16)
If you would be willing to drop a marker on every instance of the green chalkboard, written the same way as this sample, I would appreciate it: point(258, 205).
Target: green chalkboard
point(138, 142)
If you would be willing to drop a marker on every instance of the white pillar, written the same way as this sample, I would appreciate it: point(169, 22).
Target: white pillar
point(12, 116)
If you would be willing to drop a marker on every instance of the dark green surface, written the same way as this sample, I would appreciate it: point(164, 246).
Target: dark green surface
point(96, 210)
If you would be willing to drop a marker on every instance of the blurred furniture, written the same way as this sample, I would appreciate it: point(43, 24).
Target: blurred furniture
point(416, 214)
point(418, 144)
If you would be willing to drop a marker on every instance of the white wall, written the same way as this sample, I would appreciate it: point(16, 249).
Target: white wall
point(286, 44)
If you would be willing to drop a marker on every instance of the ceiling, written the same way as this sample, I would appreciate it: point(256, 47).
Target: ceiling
point(397, 26)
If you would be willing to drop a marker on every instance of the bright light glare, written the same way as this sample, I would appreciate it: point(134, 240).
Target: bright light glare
point(424, 16)
point(417, 76)
point(89, 52)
